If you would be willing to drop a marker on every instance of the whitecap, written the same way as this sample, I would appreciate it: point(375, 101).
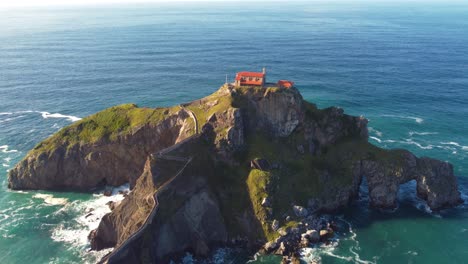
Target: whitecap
point(90, 214)
point(418, 120)
point(412, 142)
point(5, 149)
point(456, 144)
point(377, 132)
point(5, 165)
point(46, 115)
point(376, 139)
point(50, 199)
point(7, 159)
point(6, 113)
point(411, 133)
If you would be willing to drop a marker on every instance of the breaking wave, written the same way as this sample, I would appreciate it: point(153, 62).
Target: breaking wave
point(50, 199)
point(314, 254)
point(377, 132)
point(44, 115)
point(89, 214)
point(5, 149)
point(418, 120)
point(71, 118)
point(411, 133)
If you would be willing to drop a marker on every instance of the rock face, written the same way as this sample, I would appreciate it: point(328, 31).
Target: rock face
point(435, 181)
point(259, 155)
point(85, 166)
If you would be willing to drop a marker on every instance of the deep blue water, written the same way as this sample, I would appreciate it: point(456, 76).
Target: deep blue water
point(404, 66)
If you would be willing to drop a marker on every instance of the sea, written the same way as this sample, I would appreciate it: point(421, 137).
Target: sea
point(403, 65)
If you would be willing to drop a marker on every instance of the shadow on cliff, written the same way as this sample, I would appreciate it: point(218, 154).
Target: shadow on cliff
point(205, 207)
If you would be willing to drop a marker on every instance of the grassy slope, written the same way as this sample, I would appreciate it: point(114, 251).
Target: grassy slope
point(237, 187)
point(105, 125)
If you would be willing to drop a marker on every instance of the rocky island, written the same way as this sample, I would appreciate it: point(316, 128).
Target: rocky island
point(250, 166)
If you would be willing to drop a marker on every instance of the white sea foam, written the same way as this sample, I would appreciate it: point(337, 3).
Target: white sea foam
point(377, 132)
point(90, 214)
point(418, 120)
point(376, 139)
point(46, 115)
point(5, 165)
point(451, 143)
point(5, 149)
point(455, 144)
point(419, 145)
point(6, 113)
point(411, 133)
point(313, 254)
point(50, 199)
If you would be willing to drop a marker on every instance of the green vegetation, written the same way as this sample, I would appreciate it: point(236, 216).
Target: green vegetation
point(258, 183)
point(209, 105)
point(105, 125)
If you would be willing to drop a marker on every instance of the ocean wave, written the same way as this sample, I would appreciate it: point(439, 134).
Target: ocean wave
point(50, 199)
point(376, 139)
point(89, 216)
point(419, 145)
point(5, 149)
point(313, 254)
point(418, 120)
point(377, 132)
point(46, 115)
point(411, 133)
point(11, 118)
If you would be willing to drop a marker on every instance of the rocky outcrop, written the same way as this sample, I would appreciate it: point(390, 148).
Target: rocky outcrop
point(435, 180)
point(260, 155)
point(84, 166)
point(277, 111)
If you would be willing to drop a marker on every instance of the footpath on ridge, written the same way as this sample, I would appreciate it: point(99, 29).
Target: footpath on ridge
point(162, 154)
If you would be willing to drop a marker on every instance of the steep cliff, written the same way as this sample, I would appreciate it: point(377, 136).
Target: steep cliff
point(109, 147)
point(261, 160)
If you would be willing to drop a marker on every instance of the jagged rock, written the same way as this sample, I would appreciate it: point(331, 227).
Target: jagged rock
point(275, 225)
point(85, 166)
point(281, 250)
point(195, 211)
point(313, 236)
point(326, 234)
point(437, 185)
point(108, 192)
point(300, 211)
point(212, 118)
point(260, 164)
point(435, 181)
point(283, 231)
point(270, 246)
point(266, 202)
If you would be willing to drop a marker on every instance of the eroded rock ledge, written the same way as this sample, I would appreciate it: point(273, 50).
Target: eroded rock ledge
point(317, 159)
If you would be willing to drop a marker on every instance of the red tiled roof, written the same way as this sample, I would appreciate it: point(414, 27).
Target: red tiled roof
point(285, 83)
point(249, 74)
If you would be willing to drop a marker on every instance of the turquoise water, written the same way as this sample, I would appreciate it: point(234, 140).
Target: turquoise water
point(403, 66)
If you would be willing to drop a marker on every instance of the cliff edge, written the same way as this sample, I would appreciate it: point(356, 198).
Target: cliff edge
point(245, 164)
